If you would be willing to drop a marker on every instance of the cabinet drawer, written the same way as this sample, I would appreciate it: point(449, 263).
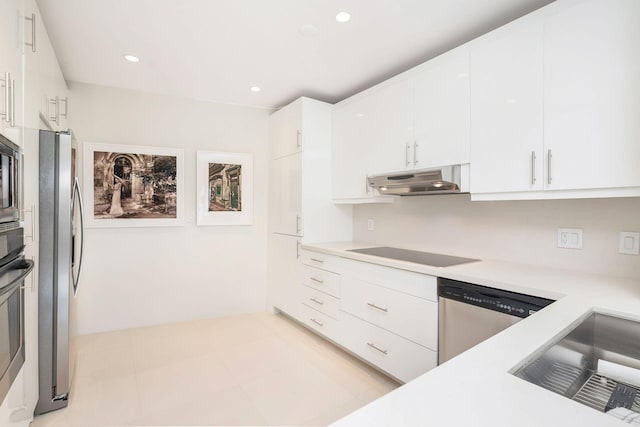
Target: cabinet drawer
point(322, 280)
point(408, 316)
point(322, 302)
point(395, 355)
point(420, 285)
point(319, 322)
point(320, 260)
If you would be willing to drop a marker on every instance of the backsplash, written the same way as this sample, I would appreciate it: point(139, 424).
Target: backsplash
point(516, 231)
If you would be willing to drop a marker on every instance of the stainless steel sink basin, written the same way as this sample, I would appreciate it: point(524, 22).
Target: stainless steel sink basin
point(589, 362)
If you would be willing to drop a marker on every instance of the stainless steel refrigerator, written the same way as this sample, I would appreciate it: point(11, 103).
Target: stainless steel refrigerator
point(60, 259)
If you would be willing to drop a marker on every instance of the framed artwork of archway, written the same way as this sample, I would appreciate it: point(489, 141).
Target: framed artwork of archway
point(224, 185)
point(133, 186)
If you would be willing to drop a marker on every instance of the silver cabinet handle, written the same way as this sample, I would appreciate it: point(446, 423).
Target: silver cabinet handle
point(12, 94)
point(317, 301)
point(415, 153)
point(298, 139)
point(317, 260)
point(316, 280)
point(298, 227)
point(549, 157)
point(55, 117)
point(377, 307)
point(32, 211)
point(533, 167)
point(317, 322)
point(32, 18)
point(7, 98)
point(66, 107)
point(297, 249)
point(406, 154)
point(375, 347)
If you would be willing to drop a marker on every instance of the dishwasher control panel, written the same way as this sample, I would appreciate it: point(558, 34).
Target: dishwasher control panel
point(507, 302)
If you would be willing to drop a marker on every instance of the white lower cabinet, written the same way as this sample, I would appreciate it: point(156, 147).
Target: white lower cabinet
point(393, 354)
point(13, 410)
point(321, 302)
point(284, 273)
point(386, 316)
point(322, 280)
point(319, 322)
point(394, 311)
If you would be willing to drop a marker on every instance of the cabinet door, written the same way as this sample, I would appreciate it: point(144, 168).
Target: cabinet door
point(506, 109)
point(44, 79)
point(441, 110)
point(387, 114)
point(286, 130)
point(350, 161)
point(284, 274)
point(371, 134)
point(592, 95)
point(11, 49)
point(286, 173)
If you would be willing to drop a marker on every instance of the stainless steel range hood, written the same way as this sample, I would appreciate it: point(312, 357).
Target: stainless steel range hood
point(444, 180)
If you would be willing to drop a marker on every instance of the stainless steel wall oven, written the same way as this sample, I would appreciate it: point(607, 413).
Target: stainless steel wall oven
point(13, 271)
point(10, 159)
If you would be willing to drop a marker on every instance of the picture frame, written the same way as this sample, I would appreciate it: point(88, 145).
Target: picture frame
point(133, 186)
point(224, 185)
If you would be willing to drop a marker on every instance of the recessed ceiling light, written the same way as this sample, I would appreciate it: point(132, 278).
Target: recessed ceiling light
point(255, 89)
point(308, 30)
point(132, 58)
point(343, 16)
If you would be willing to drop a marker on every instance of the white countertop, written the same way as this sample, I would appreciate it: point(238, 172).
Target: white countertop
point(476, 388)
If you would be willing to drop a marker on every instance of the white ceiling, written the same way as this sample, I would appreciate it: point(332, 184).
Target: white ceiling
point(217, 49)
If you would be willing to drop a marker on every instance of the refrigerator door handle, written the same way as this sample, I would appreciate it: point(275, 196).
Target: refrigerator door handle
point(76, 193)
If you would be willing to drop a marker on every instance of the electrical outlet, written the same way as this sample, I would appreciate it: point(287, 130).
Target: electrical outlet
point(370, 225)
point(570, 238)
point(629, 243)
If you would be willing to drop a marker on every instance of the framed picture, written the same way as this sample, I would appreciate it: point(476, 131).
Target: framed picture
point(224, 184)
point(133, 186)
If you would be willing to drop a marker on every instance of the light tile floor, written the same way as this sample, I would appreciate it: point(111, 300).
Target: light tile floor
point(255, 369)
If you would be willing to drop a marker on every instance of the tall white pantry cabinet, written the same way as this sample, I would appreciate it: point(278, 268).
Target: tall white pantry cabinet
point(301, 208)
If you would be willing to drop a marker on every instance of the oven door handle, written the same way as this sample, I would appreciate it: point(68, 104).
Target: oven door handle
point(25, 268)
point(77, 193)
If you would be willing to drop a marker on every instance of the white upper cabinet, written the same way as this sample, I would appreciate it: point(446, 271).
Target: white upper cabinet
point(592, 95)
point(506, 109)
point(416, 120)
point(286, 175)
point(11, 75)
point(441, 111)
point(353, 155)
point(300, 177)
point(555, 101)
point(45, 88)
point(286, 130)
point(387, 117)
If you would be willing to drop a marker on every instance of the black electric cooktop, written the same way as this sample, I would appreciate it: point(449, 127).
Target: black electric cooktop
point(426, 258)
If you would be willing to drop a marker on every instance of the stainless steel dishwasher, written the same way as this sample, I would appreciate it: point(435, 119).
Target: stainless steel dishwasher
point(469, 314)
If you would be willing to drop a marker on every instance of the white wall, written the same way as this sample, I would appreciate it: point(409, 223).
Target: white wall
point(523, 231)
point(142, 276)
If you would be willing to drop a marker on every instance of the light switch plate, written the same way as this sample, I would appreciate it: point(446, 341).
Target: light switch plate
point(570, 238)
point(370, 224)
point(629, 243)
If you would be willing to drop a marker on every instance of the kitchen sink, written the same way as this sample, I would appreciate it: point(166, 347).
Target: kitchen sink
point(598, 357)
